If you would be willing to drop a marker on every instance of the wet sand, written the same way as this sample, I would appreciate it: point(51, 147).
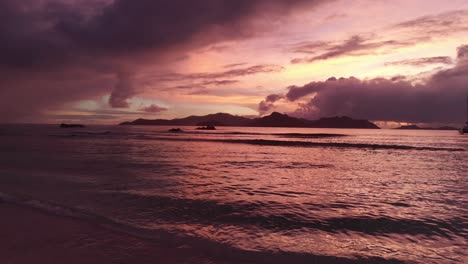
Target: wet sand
point(31, 236)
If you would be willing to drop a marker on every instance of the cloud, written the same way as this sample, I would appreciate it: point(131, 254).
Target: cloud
point(51, 32)
point(441, 98)
point(124, 89)
point(24, 95)
point(203, 80)
point(462, 52)
point(355, 46)
point(82, 117)
point(38, 38)
point(268, 104)
point(422, 61)
point(407, 33)
point(265, 107)
point(233, 65)
point(113, 112)
point(153, 109)
point(122, 26)
point(274, 97)
point(238, 72)
point(203, 84)
point(440, 24)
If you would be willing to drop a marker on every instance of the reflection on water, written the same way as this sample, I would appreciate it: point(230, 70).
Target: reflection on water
point(377, 194)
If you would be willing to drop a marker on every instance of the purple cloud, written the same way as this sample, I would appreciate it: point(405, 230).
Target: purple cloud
point(440, 24)
point(441, 98)
point(41, 42)
point(412, 32)
point(355, 46)
point(268, 104)
point(462, 52)
point(201, 81)
point(153, 109)
point(422, 61)
point(234, 65)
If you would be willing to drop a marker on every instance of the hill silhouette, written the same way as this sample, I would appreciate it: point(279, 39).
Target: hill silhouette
point(275, 119)
point(212, 119)
point(415, 127)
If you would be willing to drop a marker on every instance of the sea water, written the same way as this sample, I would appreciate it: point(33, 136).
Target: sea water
point(343, 194)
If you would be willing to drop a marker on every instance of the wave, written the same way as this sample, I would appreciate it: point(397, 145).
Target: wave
point(314, 135)
point(289, 135)
point(97, 133)
point(261, 142)
point(82, 134)
point(277, 216)
point(264, 142)
point(287, 143)
point(220, 251)
point(278, 165)
point(208, 212)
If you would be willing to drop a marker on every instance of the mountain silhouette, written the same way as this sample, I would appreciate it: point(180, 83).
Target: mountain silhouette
point(275, 119)
point(415, 127)
point(219, 119)
point(279, 120)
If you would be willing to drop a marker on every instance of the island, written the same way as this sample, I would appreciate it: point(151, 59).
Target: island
point(275, 119)
point(71, 125)
point(415, 127)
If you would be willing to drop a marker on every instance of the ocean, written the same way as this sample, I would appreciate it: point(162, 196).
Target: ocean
point(284, 195)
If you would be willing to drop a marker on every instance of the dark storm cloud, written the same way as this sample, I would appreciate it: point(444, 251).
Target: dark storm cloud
point(24, 95)
point(51, 32)
point(110, 37)
point(422, 61)
point(440, 99)
point(355, 46)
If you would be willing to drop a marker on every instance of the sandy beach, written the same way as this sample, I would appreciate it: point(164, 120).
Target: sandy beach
point(32, 236)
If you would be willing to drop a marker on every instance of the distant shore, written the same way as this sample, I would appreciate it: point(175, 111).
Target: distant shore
point(275, 119)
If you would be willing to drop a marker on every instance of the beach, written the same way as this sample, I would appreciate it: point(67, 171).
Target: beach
point(31, 236)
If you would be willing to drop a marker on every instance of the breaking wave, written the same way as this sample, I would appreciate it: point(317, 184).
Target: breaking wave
point(285, 143)
point(215, 249)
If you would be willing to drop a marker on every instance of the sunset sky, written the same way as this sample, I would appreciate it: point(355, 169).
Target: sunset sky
point(104, 61)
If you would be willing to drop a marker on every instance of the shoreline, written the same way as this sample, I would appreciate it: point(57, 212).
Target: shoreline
point(31, 236)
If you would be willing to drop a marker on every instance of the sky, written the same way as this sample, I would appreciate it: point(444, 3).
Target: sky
point(107, 61)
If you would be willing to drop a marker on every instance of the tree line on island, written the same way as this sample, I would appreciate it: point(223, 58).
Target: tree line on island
point(273, 120)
